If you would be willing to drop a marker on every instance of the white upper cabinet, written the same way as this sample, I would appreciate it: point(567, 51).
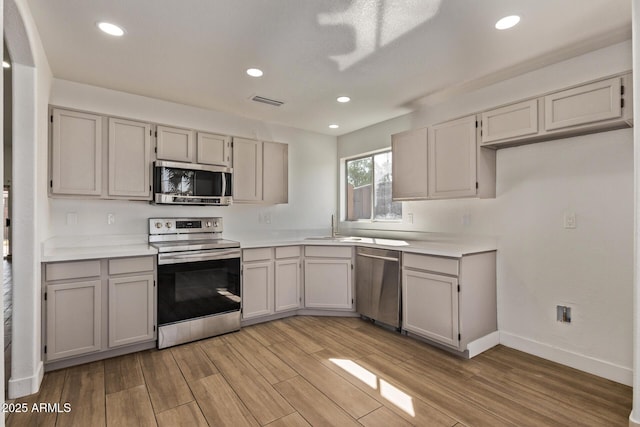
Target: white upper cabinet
point(260, 171)
point(409, 161)
point(275, 172)
point(512, 121)
point(452, 159)
point(597, 106)
point(175, 144)
point(76, 153)
point(584, 104)
point(247, 170)
point(213, 149)
point(129, 159)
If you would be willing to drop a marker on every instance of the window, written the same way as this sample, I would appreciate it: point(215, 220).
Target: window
point(369, 189)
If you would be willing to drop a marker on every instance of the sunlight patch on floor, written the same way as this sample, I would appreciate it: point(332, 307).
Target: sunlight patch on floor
point(393, 394)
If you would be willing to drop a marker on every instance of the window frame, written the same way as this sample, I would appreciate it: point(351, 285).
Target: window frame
point(345, 188)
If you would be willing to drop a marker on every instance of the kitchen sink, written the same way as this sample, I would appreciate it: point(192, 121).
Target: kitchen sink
point(335, 239)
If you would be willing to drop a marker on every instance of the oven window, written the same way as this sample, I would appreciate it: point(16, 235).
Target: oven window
point(195, 289)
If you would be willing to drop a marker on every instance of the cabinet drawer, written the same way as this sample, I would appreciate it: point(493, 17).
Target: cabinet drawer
point(328, 251)
point(130, 265)
point(72, 270)
point(431, 263)
point(260, 254)
point(288, 252)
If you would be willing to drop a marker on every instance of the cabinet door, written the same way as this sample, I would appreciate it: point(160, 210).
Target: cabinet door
point(174, 144)
point(512, 121)
point(76, 153)
point(73, 319)
point(583, 105)
point(213, 149)
point(430, 306)
point(287, 284)
point(327, 283)
point(275, 172)
point(247, 170)
point(131, 310)
point(129, 159)
point(257, 289)
point(452, 159)
point(409, 165)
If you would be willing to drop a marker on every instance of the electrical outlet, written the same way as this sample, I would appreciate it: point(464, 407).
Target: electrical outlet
point(409, 218)
point(267, 218)
point(570, 220)
point(72, 218)
point(111, 218)
point(466, 219)
point(563, 313)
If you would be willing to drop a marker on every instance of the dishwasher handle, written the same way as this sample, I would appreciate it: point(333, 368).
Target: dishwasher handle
point(385, 258)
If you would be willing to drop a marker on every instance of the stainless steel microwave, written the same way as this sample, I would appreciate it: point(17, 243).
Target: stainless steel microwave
point(191, 184)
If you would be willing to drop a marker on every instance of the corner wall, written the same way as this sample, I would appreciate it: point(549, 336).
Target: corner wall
point(31, 85)
point(541, 264)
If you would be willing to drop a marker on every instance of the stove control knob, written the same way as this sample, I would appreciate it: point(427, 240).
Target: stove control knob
point(216, 223)
point(158, 225)
point(168, 224)
point(208, 224)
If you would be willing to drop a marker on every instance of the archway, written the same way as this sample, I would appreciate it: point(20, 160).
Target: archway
point(27, 368)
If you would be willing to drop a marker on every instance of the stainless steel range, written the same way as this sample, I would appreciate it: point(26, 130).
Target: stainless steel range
point(198, 279)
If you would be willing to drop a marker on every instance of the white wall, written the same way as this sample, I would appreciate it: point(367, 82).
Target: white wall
point(312, 170)
point(31, 86)
point(541, 264)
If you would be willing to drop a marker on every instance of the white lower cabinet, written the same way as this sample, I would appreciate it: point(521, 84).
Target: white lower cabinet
point(97, 305)
point(431, 306)
point(257, 289)
point(450, 301)
point(271, 281)
point(328, 277)
point(288, 278)
point(73, 319)
point(131, 310)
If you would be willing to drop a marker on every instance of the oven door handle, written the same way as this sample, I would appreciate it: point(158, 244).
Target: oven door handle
point(197, 256)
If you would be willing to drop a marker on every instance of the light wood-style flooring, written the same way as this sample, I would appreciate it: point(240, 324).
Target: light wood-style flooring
point(316, 371)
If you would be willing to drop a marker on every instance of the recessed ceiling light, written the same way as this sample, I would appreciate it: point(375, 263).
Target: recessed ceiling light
point(507, 22)
point(111, 29)
point(5, 64)
point(334, 126)
point(255, 72)
point(343, 99)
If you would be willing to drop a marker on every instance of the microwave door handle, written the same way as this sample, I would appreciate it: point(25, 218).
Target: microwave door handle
point(224, 184)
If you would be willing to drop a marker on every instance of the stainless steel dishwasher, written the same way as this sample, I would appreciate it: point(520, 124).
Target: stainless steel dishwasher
point(378, 285)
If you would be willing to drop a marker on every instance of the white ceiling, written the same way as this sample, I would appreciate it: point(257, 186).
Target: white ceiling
point(384, 54)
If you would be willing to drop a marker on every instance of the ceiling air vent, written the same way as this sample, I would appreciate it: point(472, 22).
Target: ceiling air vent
point(267, 101)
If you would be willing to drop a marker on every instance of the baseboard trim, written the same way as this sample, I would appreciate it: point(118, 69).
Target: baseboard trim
point(28, 385)
point(483, 344)
point(601, 368)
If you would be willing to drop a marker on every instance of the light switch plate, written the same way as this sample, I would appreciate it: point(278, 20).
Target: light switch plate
point(570, 220)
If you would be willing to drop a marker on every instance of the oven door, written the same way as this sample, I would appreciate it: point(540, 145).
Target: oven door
point(197, 283)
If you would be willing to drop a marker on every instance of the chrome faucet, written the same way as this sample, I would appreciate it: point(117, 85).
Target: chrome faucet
point(333, 227)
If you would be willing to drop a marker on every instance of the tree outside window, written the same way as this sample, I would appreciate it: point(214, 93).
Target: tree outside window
point(369, 189)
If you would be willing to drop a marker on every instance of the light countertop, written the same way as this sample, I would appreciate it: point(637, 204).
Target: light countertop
point(87, 247)
point(94, 247)
point(454, 248)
